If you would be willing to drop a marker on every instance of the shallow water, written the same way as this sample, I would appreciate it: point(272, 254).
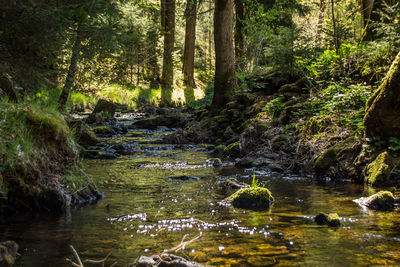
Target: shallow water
point(149, 207)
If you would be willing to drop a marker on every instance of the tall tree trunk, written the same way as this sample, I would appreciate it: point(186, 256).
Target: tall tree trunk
point(369, 12)
point(190, 39)
point(224, 81)
point(73, 67)
point(153, 53)
point(239, 12)
point(335, 33)
point(167, 79)
point(321, 15)
point(382, 114)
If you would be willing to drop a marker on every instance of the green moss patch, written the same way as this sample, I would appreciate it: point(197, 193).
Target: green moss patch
point(331, 219)
point(377, 172)
point(251, 198)
point(103, 130)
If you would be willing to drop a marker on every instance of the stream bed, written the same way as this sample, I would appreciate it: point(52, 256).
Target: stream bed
point(162, 193)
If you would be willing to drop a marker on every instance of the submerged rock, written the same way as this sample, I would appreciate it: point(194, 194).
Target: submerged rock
point(165, 259)
point(383, 200)
point(251, 198)
point(183, 178)
point(8, 253)
point(234, 184)
point(331, 219)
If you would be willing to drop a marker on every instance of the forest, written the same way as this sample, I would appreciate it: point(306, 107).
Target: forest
point(199, 133)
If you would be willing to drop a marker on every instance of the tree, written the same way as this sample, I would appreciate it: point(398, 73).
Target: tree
point(69, 82)
point(239, 25)
point(168, 23)
point(224, 81)
point(190, 38)
point(382, 115)
point(370, 15)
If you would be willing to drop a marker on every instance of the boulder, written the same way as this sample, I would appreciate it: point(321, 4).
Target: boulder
point(103, 112)
point(383, 200)
point(84, 134)
point(331, 219)
point(251, 198)
point(378, 171)
point(103, 130)
point(8, 253)
point(171, 121)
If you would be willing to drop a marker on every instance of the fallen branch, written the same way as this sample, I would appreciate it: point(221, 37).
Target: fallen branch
point(102, 261)
point(182, 245)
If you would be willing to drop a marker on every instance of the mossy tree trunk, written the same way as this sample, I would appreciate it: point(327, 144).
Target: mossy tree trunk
point(224, 81)
point(382, 115)
point(167, 78)
point(239, 25)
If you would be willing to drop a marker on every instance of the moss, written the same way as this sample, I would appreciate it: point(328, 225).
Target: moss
point(383, 200)
point(233, 149)
point(377, 172)
point(331, 219)
point(325, 160)
point(103, 130)
point(47, 128)
point(251, 197)
point(219, 149)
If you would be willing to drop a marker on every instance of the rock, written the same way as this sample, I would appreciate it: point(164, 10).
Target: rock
point(331, 219)
point(103, 130)
point(232, 150)
point(219, 149)
point(245, 162)
point(183, 178)
point(293, 89)
point(378, 171)
point(383, 200)
point(8, 253)
point(84, 134)
point(325, 160)
point(215, 162)
point(234, 184)
point(103, 112)
point(251, 198)
point(105, 106)
point(165, 259)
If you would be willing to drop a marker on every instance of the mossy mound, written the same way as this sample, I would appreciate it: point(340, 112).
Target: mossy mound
point(168, 120)
point(251, 198)
point(103, 130)
point(331, 219)
point(378, 171)
point(38, 160)
point(383, 200)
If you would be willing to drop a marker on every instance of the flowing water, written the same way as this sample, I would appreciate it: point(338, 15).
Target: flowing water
point(164, 193)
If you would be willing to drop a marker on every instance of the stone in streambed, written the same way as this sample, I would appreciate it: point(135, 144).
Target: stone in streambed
point(383, 200)
point(251, 198)
point(165, 259)
point(331, 219)
point(8, 253)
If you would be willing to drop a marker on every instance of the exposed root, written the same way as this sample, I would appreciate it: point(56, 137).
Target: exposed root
point(79, 263)
point(182, 245)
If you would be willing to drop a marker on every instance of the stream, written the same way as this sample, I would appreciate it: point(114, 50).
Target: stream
point(162, 193)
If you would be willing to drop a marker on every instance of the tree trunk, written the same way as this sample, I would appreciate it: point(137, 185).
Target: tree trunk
point(382, 115)
point(188, 53)
point(321, 15)
point(369, 12)
point(224, 81)
point(239, 10)
point(167, 79)
point(335, 33)
point(73, 67)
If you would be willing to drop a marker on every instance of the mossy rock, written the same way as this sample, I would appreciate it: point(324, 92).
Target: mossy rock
point(383, 200)
point(171, 121)
point(105, 106)
point(103, 130)
point(47, 128)
point(378, 171)
point(234, 184)
point(86, 137)
point(251, 198)
point(219, 149)
point(232, 150)
point(293, 89)
point(331, 219)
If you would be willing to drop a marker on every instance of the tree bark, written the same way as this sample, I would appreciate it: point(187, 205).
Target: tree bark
point(167, 79)
point(188, 53)
point(335, 33)
point(73, 67)
point(382, 115)
point(321, 15)
point(239, 18)
point(369, 12)
point(224, 81)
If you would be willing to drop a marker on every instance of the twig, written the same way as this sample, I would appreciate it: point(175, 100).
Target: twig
point(76, 256)
point(102, 261)
point(182, 245)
